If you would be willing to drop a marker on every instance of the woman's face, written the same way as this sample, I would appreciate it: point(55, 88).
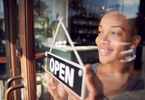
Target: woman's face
point(114, 36)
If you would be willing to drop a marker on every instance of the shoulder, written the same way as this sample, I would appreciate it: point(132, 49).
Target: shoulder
point(139, 81)
point(95, 66)
point(142, 74)
point(141, 77)
point(135, 90)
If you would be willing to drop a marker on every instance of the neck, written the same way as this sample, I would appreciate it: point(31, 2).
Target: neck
point(118, 67)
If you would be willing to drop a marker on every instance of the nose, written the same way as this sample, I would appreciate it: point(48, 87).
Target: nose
point(104, 39)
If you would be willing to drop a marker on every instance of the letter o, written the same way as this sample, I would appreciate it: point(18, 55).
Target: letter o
point(51, 64)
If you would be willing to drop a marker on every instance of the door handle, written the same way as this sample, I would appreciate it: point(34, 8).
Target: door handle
point(10, 88)
point(8, 83)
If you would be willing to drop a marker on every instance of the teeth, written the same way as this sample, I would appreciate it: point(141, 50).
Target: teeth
point(103, 50)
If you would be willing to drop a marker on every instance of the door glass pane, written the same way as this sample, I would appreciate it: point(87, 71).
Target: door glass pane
point(5, 60)
point(2, 52)
point(2, 30)
point(44, 28)
point(45, 22)
point(82, 19)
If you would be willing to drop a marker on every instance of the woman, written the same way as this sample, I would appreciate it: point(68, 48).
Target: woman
point(114, 78)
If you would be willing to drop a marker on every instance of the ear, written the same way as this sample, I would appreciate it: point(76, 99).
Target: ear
point(136, 40)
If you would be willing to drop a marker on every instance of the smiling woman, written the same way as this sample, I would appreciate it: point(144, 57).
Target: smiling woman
point(114, 78)
point(116, 42)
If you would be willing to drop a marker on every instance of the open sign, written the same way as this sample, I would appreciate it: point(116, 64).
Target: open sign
point(70, 74)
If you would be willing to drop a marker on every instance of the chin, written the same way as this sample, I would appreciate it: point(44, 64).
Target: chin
point(104, 61)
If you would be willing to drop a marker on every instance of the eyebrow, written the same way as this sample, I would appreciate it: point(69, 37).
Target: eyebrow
point(119, 27)
point(115, 26)
point(100, 26)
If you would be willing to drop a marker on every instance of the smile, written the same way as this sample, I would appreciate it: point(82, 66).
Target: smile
point(104, 52)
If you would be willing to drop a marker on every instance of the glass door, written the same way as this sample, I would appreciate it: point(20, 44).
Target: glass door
point(20, 50)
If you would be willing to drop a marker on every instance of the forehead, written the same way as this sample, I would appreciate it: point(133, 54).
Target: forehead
point(115, 19)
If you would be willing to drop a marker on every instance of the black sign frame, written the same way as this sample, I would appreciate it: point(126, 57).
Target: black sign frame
point(79, 88)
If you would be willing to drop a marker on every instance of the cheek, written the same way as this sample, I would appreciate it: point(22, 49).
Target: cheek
point(118, 48)
point(115, 43)
point(97, 40)
point(120, 45)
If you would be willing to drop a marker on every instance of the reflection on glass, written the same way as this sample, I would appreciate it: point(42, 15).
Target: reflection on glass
point(84, 18)
point(2, 30)
point(44, 28)
point(45, 22)
point(2, 51)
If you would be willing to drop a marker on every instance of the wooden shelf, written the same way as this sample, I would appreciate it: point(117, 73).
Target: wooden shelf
point(38, 55)
point(3, 60)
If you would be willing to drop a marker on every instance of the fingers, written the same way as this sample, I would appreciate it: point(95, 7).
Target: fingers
point(51, 83)
point(48, 76)
point(90, 77)
point(55, 88)
point(93, 84)
point(52, 88)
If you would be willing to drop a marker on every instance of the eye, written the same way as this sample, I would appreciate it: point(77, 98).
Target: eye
point(115, 33)
point(100, 32)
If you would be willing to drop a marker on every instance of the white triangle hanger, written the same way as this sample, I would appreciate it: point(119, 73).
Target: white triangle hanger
point(69, 39)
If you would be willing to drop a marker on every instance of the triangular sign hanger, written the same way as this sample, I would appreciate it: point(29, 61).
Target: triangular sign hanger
point(69, 39)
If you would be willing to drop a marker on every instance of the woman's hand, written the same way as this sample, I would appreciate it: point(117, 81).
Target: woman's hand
point(55, 88)
point(93, 84)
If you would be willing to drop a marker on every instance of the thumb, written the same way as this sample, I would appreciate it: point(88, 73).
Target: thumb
point(93, 84)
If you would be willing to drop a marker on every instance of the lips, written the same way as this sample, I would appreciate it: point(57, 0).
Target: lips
point(103, 51)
